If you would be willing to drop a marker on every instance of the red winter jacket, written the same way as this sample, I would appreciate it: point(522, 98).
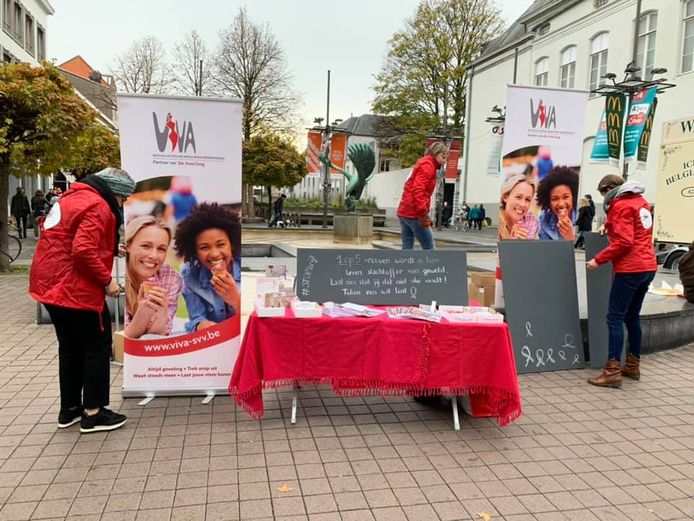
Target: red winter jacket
point(416, 195)
point(74, 256)
point(629, 227)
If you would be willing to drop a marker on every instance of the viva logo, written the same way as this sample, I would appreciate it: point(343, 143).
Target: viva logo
point(181, 138)
point(542, 116)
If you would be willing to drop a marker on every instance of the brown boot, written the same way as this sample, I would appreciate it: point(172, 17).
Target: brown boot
point(611, 375)
point(631, 368)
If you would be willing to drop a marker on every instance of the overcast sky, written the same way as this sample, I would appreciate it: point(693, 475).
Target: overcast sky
point(349, 37)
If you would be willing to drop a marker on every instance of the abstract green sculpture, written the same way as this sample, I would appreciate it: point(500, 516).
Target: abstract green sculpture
point(363, 158)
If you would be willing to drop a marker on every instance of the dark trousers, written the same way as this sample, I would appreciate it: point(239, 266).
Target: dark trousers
point(626, 298)
point(21, 226)
point(84, 352)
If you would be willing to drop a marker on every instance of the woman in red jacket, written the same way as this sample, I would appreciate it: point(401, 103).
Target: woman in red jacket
point(71, 276)
point(413, 210)
point(629, 227)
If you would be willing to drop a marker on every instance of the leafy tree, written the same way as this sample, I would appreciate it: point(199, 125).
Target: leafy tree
point(424, 78)
point(270, 160)
point(251, 66)
point(143, 67)
point(44, 127)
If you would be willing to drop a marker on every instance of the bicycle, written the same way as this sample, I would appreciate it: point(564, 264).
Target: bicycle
point(14, 244)
point(461, 223)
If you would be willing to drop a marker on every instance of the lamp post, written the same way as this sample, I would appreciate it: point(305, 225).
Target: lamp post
point(632, 82)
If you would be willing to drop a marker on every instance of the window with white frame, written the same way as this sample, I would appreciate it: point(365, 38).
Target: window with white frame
point(567, 73)
point(598, 59)
point(18, 23)
point(7, 15)
point(688, 37)
point(30, 38)
point(645, 54)
point(40, 43)
point(542, 72)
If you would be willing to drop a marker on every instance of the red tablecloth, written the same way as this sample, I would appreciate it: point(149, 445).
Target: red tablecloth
point(380, 355)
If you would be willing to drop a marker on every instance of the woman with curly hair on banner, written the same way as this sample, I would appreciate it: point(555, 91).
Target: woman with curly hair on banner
point(557, 194)
point(208, 240)
point(152, 286)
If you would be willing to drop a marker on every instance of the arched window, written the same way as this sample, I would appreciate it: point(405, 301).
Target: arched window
point(598, 59)
point(567, 73)
point(542, 72)
point(688, 37)
point(645, 55)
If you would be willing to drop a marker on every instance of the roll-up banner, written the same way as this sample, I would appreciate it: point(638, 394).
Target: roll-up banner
point(674, 199)
point(541, 162)
point(183, 241)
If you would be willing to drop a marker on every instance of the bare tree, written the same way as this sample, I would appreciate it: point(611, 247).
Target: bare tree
point(143, 67)
point(251, 66)
point(193, 66)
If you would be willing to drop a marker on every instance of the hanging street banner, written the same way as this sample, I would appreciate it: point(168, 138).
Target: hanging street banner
point(600, 152)
point(338, 151)
point(183, 242)
point(494, 160)
point(645, 141)
point(674, 199)
point(641, 107)
point(615, 104)
point(313, 151)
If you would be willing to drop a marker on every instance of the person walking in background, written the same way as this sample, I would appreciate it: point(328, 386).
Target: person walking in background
point(277, 210)
point(591, 206)
point(414, 207)
point(584, 221)
point(446, 215)
point(71, 277)
point(38, 210)
point(483, 216)
point(20, 210)
point(474, 217)
point(629, 226)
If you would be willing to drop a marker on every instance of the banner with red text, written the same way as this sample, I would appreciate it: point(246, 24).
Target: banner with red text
point(182, 238)
point(313, 151)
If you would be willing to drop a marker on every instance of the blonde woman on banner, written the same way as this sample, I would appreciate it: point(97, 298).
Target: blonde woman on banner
point(516, 220)
point(152, 286)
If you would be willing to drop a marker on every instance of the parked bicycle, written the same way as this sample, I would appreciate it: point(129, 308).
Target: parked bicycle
point(461, 223)
point(14, 245)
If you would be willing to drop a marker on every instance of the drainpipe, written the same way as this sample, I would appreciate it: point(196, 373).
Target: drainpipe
point(466, 137)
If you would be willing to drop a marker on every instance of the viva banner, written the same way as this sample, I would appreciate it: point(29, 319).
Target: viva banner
point(183, 242)
point(541, 155)
point(674, 199)
point(638, 128)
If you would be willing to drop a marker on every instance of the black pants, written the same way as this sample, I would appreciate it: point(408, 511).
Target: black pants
point(84, 352)
point(21, 226)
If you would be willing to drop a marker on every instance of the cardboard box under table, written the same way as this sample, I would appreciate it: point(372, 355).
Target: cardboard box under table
point(359, 356)
point(481, 287)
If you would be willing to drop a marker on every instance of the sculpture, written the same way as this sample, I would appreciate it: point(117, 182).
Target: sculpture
point(364, 160)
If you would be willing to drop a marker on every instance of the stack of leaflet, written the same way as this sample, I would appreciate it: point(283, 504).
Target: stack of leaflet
point(414, 313)
point(348, 309)
point(474, 314)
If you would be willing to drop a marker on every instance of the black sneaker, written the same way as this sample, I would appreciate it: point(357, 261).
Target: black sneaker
point(104, 420)
point(69, 417)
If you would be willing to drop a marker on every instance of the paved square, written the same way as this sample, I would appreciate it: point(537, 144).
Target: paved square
point(578, 452)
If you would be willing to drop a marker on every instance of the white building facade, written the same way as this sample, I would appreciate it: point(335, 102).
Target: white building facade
point(572, 44)
point(23, 36)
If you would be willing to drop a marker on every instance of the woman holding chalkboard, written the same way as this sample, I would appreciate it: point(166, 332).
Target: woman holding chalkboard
point(629, 226)
point(413, 210)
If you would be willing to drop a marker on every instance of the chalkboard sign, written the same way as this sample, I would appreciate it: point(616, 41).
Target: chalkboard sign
point(542, 304)
point(382, 276)
point(598, 284)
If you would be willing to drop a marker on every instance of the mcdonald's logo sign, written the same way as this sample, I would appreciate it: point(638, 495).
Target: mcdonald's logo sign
point(613, 136)
point(614, 103)
point(614, 120)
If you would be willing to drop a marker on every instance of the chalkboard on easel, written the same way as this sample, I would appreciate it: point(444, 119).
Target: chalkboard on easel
point(405, 277)
point(542, 304)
